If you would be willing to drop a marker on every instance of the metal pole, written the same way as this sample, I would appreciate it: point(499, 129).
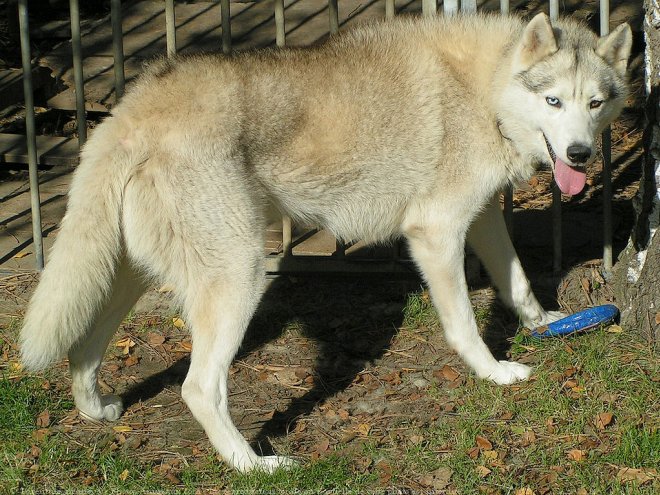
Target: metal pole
point(508, 209)
point(429, 7)
point(504, 7)
point(390, 9)
point(607, 161)
point(333, 11)
point(280, 28)
point(556, 193)
point(170, 25)
point(31, 135)
point(225, 14)
point(554, 10)
point(117, 48)
point(450, 7)
point(469, 5)
point(287, 229)
point(76, 48)
point(280, 39)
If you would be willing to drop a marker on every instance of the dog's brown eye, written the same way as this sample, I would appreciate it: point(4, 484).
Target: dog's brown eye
point(595, 104)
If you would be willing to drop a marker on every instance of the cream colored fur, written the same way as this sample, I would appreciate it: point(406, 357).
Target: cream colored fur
point(408, 128)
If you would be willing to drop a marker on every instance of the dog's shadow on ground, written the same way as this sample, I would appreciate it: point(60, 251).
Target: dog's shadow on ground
point(351, 320)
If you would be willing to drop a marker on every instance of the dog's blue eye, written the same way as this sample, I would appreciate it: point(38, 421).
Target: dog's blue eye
point(595, 104)
point(553, 102)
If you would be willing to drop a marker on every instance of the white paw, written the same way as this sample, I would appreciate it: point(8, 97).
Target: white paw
point(547, 317)
point(508, 372)
point(271, 463)
point(109, 409)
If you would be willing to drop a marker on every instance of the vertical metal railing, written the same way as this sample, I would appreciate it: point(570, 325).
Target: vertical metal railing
point(78, 78)
point(556, 193)
point(170, 28)
point(30, 133)
point(429, 8)
point(225, 15)
point(117, 48)
point(606, 147)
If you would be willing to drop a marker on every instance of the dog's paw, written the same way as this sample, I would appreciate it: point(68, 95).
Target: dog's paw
point(508, 372)
point(546, 317)
point(271, 463)
point(109, 409)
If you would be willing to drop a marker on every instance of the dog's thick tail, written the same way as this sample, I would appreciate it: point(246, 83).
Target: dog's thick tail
point(80, 270)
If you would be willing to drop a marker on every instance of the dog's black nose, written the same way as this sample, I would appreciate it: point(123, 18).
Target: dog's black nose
point(578, 153)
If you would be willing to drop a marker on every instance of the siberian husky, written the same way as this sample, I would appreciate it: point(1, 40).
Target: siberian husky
point(407, 128)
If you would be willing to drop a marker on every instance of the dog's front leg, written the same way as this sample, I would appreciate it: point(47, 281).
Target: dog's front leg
point(438, 251)
point(490, 240)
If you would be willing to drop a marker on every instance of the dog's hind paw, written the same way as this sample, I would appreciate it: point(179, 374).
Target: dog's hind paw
point(509, 372)
point(109, 409)
point(271, 463)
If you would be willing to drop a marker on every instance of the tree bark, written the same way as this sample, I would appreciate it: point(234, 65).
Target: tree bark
point(637, 272)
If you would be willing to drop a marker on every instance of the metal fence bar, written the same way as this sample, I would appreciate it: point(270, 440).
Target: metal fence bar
point(170, 27)
point(607, 161)
point(30, 132)
point(469, 5)
point(76, 49)
point(117, 48)
point(280, 27)
point(554, 9)
point(556, 193)
point(390, 9)
point(450, 7)
point(225, 14)
point(430, 7)
point(504, 7)
point(333, 12)
point(280, 40)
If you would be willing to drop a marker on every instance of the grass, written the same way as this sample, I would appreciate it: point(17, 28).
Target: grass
point(531, 432)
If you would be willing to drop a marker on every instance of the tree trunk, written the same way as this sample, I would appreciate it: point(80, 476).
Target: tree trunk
point(637, 272)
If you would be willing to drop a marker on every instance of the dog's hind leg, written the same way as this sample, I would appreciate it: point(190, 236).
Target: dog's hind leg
point(490, 240)
point(219, 315)
point(438, 251)
point(85, 358)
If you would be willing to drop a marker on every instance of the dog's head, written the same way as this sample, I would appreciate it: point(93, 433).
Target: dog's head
point(568, 85)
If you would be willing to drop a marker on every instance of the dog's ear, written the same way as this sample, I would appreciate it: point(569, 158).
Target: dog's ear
point(615, 47)
point(538, 41)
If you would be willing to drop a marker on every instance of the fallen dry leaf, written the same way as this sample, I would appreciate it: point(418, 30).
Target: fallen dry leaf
point(603, 420)
point(614, 329)
point(41, 434)
point(473, 453)
point(641, 476)
point(482, 471)
point(483, 443)
point(528, 438)
point(363, 429)
point(122, 428)
point(154, 338)
point(438, 479)
point(126, 343)
point(123, 475)
point(322, 446)
point(449, 373)
point(178, 322)
point(22, 255)
point(525, 491)
point(577, 455)
point(43, 420)
point(131, 360)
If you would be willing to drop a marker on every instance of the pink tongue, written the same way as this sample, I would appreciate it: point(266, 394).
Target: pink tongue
point(569, 180)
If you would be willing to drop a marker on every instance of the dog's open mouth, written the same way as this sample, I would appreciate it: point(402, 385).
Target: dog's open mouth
point(570, 179)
